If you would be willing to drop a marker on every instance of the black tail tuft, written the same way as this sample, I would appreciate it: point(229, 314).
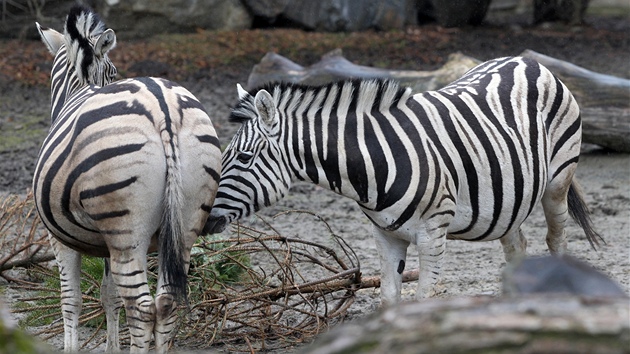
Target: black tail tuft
point(171, 258)
point(580, 213)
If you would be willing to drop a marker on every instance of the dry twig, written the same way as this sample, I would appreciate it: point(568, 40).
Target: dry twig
point(23, 241)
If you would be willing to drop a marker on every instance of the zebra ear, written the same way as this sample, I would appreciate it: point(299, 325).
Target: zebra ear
point(105, 43)
point(265, 107)
point(242, 94)
point(51, 38)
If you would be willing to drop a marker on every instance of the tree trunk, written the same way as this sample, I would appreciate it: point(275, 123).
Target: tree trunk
point(529, 324)
point(590, 88)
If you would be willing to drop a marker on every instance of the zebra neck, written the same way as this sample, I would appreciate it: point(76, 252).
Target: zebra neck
point(313, 148)
point(329, 136)
point(65, 83)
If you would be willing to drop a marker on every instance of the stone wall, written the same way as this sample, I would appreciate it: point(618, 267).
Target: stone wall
point(142, 18)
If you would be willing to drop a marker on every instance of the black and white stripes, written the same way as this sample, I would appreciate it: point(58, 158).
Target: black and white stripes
point(469, 161)
point(128, 167)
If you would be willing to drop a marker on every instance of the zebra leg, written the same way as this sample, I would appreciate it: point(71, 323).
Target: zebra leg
point(112, 303)
point(166, 316)
point(166, 305)
point(69, 262)
point(128, 269)
point(393, 254)
point(554, 202)
point(431, 248)
point(514, 245)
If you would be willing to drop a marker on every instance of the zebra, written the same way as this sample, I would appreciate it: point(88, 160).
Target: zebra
point(469, 161)
point(128, 167)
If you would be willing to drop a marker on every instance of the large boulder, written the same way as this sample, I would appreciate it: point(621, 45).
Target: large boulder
point(568, 11)
point(266, 8)
point(547, 323)
point(131, 18)
point(552, 305)
point(143, 18)
point(347, 15)
point(455, 13)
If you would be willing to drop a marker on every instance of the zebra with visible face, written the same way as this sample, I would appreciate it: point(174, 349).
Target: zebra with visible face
point(469, 161)
point(127, 168)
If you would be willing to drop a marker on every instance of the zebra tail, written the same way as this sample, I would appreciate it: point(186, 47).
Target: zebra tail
point(171, 236)
point(580, 213)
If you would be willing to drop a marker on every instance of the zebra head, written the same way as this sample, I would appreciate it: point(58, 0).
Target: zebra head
point(255, 172)
point(82, 48)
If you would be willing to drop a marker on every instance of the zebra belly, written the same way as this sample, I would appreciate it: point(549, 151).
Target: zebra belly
point(484, 221)
point(99, 247)
point(481, 232)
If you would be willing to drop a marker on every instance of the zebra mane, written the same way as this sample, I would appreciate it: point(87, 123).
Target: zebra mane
point(372, 92)
point(82, 27)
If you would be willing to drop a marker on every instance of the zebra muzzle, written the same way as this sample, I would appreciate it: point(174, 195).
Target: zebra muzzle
point(215, 225)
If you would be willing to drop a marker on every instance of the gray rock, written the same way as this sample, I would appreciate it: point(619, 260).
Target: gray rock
point(569, 11)
point(266, 8)
point(558, 274)
point(141, 18)
point(130, 18)
point(347, 15)
point(456, 13)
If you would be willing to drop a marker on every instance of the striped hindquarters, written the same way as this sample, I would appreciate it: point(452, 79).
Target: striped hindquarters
point(503, 131)
point(104, 163)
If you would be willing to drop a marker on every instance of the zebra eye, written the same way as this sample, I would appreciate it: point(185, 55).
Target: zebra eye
point(244, 157)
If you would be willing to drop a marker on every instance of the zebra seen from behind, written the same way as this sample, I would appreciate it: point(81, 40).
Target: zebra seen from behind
point(128, 167)
point(469, 161)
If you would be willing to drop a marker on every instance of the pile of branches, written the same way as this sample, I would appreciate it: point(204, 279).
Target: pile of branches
point(254, 290)
point(23, 241)
point(291, 290)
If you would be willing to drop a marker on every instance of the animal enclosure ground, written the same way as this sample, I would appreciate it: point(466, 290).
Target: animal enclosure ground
point(211, 63)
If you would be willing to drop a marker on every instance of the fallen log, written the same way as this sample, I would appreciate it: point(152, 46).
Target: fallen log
point(551, 304)
point(605, 99)
point(529, 324)
point(333, 67)
point(590, 88)
point(607, 127)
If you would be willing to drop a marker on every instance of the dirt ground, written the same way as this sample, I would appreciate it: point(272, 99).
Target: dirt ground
point(470, 269)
